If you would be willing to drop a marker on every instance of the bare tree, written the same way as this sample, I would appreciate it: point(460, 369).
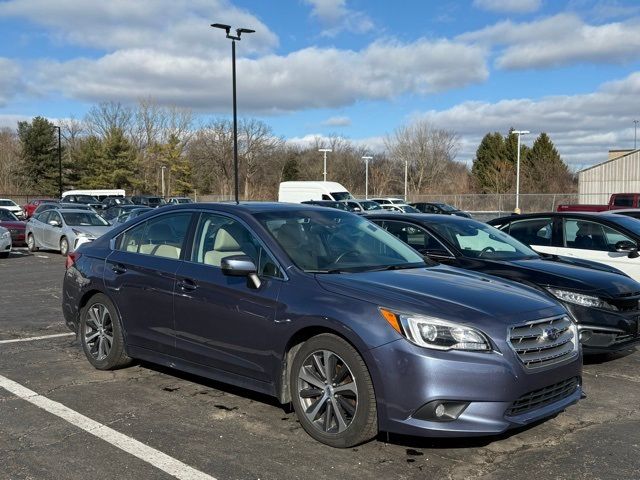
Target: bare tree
point(108, 116)
point(10, 162)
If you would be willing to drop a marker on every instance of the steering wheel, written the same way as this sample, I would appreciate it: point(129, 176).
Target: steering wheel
point(486, 250)
point(344, 254)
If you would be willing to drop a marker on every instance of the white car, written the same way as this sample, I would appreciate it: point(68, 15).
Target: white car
point(389, 201)
point(400, 207)
point(5, 242)
point(13, 207)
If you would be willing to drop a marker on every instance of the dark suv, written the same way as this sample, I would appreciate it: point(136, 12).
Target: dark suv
point(93, 202)
point(322, 308)
point(148, 201)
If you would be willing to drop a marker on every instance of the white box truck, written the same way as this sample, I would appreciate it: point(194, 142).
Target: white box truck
point(297, 192)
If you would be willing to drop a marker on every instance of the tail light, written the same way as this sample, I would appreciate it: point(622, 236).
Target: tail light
point(72, 258)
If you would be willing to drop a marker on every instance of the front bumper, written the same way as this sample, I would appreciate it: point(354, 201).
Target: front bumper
point(492, 384)
point(5, 245)
point(18, 238)
point(603, 331)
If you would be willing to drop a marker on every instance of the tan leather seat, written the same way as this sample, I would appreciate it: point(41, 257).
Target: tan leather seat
point(230, 240)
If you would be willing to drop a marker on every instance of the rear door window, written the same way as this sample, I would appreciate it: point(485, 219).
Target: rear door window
point(161, 237)
point(623, 201)
point(536, 231)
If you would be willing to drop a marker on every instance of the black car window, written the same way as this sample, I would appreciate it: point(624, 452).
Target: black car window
point(536, 231)
point(161, 237)
point(53, 215)
point(416, 237)
point(42, 216)
point(623, 201)
point(586, 235)
point(218, 237)
point(7, 216)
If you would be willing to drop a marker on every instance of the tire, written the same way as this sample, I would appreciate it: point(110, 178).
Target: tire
point(102, 353)
point(352, 411)
point(64, 246)
point(4, 255)
point(31, 243)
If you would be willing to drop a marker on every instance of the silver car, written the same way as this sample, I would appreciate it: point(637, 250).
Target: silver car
point(5, 242)
point(64, 229)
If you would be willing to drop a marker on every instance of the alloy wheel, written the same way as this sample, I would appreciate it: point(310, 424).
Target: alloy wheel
point(98, 332)
point(64, 247)
point(327, 392)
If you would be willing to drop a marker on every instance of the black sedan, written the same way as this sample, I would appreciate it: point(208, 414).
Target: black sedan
point(604, 304)
point(116, 210)
point(439, 208)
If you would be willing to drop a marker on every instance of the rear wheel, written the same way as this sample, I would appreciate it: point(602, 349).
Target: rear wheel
point(64, 246)
point(4, 254)
point(31, 243)
point(101, 334)
point(332, 392)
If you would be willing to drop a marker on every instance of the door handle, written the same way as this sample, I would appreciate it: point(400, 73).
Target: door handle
point(187, 284)
point(118, 268)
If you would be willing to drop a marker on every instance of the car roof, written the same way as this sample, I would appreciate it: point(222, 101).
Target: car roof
point(74, 210)
point(523, 216)
point(420, 217)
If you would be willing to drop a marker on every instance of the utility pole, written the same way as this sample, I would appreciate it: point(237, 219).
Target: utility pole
point(163, 168)
point(59, 161)
point(366, 176)
point(519, 133)
point(325, 150)
point(406, 179)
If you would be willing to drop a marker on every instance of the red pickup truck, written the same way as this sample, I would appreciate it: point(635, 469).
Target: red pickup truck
point(616, 202)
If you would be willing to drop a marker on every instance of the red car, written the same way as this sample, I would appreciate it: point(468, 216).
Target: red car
point(9, 221)
point(30, 207)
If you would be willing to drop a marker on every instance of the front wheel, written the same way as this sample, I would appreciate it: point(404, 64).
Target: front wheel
point(101, 335)
point(332, 392)
point(64, 246)
point(31, 243)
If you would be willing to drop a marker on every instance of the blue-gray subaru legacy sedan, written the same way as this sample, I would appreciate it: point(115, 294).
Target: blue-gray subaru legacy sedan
point(326, 310)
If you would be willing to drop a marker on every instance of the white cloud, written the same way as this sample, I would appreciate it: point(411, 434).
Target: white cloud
point(175, 26)
point(583, 127)
point(335, 16)
point(10, 80)
point(339, 121)
point(508, 6)
point(373, 145)
point(559, 40)
point(308, 78)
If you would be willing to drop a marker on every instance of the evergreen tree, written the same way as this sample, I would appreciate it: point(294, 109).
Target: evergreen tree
point(543, 169)
point(39, 142)
point(290, 170)
point(491, 170)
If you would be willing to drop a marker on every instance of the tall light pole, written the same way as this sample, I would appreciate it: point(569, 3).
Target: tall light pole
point(406, 178)
point(366, 176)
point(233, 38)
point(635, 133)
point(325, 150)
point(519, 133)
point(59, 161)
point(163, 168)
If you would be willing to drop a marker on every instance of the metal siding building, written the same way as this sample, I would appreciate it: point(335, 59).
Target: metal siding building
point(619, 175)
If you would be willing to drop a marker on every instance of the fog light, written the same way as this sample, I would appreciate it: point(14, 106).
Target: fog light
point(441, 410)
point(585, 335)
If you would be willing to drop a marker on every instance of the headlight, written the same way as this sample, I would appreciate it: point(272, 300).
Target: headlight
point(82, 234)
point(581, 299)
point(435, 333)
point(5, 236)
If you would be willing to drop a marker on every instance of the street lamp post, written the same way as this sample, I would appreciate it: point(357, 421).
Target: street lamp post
point(519, 133)
point(635, 134)
point(325, 150)
point(59, 161)
point(366, 176)
point(406, 178)
point(233, 38)
point(163, 168)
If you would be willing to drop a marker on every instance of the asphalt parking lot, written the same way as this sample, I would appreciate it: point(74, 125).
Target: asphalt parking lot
point(151, 421)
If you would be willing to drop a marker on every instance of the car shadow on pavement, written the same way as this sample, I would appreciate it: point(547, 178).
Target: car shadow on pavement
point(600, 358)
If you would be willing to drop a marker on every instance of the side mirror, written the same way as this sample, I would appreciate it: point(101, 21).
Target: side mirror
point(625, 246)
point(241, 266)
point(54, 223)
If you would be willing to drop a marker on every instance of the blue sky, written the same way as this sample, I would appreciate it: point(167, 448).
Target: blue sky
point(355, 68)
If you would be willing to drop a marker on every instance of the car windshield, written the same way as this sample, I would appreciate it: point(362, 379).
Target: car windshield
point(332, 242)
point(630, 223)
point(408, 209)
point(369, 205)
point(86, 199)
point(475, 240)
point(7, 203)
point(7, 216)
point(82, 219)
point(154, 200)
point(397, 201)
point(445, 207)
point(184, 200)
point(122, 201)
point(340, 196)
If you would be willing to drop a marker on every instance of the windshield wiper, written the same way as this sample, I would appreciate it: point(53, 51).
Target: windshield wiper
point(333, 270)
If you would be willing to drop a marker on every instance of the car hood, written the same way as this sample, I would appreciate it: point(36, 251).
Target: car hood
point(14, 225)
point(446, 292)
point(95, 231)
point(558, 274)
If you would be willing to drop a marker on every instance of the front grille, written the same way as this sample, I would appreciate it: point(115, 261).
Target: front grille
point(544, 396)
point(544, 342)
point(628, 302)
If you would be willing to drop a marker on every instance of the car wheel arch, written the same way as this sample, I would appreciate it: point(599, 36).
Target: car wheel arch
point(299, 338)
point(88, 295)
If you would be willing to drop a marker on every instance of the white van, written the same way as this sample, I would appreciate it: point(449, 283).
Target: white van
point(100, 194)
point(298, 192)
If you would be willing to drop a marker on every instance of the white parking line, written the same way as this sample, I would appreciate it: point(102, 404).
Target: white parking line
point(31, 339)
point(138, 449)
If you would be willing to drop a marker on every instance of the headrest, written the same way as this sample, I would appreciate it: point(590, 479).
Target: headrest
point(160, 232)
point(227, 240)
